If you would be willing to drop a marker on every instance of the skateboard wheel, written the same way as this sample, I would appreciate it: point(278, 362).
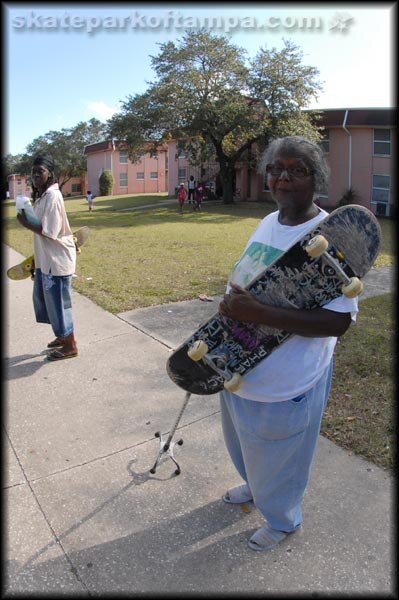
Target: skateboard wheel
point(28, 267)
point(354, 288)
point(198, 350)
point(234, 383)
point(317, 246)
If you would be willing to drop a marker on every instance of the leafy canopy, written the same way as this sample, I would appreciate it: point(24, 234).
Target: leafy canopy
point(66, 147)
point(216, 102)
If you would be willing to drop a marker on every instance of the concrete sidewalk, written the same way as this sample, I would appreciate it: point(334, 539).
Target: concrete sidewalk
point(85, 517)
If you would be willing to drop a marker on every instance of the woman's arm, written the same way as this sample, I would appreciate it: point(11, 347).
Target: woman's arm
point(241, 305)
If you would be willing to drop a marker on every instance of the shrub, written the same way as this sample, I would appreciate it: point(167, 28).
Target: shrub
point(106, 182)
point(350, 196)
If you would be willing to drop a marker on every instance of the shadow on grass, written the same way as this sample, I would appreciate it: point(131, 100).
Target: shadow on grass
point(222, 213)
point(102, 217)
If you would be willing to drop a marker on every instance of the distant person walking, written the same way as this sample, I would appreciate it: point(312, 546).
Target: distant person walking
point(90, 198)
point(199, 195)
point(181, 196)
point(191, 190)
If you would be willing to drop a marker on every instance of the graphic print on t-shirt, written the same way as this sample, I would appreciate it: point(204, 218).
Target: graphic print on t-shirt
point(254, 260)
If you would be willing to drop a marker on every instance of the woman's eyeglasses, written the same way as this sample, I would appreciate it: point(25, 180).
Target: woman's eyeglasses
point(294, 172)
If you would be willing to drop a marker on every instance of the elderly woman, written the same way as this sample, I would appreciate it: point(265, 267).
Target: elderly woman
point(55, 259)
point(271, 428)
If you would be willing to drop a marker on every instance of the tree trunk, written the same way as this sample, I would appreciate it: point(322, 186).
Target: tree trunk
point(227, 177)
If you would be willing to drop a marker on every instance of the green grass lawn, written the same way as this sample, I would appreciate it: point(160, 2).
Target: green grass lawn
point(149, 256)
point(360, 411)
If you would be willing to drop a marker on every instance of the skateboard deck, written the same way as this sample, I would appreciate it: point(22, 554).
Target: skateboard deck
point(306, 276)
point(27, 267)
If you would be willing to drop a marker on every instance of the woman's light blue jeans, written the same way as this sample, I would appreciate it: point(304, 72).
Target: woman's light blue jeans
point(272, 445)
point(52, 302)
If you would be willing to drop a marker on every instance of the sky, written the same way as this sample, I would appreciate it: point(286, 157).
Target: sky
point(69, 62)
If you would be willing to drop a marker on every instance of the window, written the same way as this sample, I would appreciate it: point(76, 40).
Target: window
point(382, 142)
point(76, 188)
point(140, 175)
point(154, 175)
point(323, 193)
point(123, 179)
point(325, 140)
point(181, 153)
point(381, 187)
point(182, 175)
point(123, 157)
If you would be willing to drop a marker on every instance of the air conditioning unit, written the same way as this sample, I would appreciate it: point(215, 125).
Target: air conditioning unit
point(383, 209)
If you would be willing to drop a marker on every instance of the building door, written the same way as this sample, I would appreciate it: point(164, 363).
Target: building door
point(249, 173)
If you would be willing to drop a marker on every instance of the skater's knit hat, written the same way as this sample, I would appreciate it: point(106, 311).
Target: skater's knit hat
point(44, 160)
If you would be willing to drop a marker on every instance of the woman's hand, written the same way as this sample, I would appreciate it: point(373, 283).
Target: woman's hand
point(239, 304)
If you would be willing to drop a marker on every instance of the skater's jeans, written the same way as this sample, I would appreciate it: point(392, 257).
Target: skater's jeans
point(52, 302)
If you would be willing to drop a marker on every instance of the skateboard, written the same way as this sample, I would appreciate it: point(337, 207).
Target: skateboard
point(27, 267)
point(326, 263)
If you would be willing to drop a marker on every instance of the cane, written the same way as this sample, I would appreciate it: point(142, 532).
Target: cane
point(166, 447)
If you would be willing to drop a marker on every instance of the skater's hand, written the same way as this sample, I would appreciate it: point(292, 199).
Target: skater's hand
point(239, 304)
point(21, 218)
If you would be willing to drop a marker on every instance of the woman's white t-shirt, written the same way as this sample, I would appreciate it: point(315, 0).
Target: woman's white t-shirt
point(296, 365)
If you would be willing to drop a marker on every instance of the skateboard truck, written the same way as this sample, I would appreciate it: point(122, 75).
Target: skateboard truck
point(166, 447)
point(217, 362)
point(317, 248)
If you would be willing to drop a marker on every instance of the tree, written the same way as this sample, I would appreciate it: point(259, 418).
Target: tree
point(66, 147)
point(10, 164)
point(209, 98)
point(106, 182)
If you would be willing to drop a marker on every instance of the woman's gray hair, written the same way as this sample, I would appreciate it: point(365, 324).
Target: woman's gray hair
point(311, 154)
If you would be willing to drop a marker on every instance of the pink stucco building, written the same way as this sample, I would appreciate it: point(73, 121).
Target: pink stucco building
point(148, 175)
point(20, 184)
point(360, 144)
point(180, 169)
point(361, 149)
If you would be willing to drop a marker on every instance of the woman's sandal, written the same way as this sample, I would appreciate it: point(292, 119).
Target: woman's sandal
point(238, 495)
point(266, 538)
point(55, 343)
point(60, 355)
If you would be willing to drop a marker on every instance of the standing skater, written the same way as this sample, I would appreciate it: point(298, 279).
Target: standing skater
point(55, 259)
